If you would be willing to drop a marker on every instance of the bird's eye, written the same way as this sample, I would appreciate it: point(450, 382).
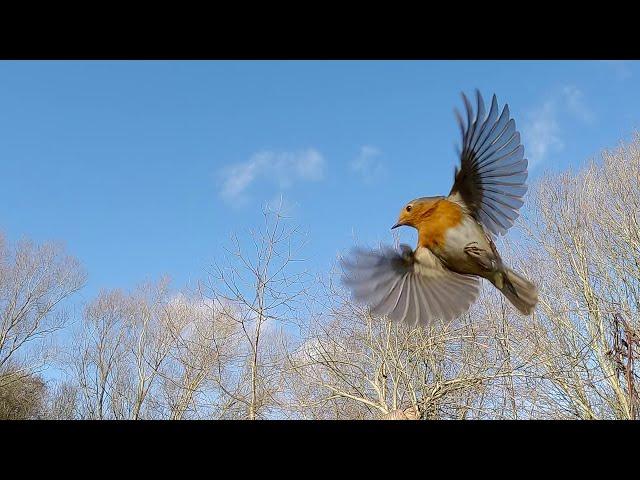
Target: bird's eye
point(408, 208)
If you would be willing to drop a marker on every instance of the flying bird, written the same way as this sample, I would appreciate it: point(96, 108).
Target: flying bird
point(439, 279)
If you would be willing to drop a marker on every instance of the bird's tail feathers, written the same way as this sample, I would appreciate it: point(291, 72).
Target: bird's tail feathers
point(519, 291)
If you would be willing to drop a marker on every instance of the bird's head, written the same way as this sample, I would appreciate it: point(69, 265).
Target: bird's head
point(416, 211)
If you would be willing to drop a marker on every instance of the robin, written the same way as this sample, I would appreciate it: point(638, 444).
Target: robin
point(440, 278)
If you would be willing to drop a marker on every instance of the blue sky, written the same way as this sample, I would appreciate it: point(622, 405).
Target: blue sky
point(144, 168)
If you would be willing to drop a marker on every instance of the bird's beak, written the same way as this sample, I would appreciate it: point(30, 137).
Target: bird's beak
point(396, 226)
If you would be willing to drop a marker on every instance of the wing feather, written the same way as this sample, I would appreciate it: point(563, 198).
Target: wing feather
point(492, 177)
point(410, 287)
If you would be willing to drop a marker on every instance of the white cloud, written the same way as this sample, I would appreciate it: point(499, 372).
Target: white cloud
point(367, 165)
point(542, 131)
point(575, 104)
point(281, 168)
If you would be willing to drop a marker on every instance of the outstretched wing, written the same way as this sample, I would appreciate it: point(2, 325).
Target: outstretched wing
point(493, 172)
point(411, 287)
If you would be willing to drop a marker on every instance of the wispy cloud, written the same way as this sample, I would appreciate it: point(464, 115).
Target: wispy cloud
point(367, 165)
point(280, 168)
point(542, 132)
point(574, 100)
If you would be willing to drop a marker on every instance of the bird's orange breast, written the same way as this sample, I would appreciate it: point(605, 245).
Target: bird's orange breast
point(433, 227)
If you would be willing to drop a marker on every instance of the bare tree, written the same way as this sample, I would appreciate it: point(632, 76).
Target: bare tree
point(152, 354)
point(352, 365)
point(22, 396)
point(584, 250)
point(258, 292)
point(204, 342)
point(61, 403)
point(98, 357)
point(35, 280)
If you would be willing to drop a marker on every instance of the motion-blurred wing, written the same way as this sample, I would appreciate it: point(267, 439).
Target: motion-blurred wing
point(411, 287)
point(493, 172)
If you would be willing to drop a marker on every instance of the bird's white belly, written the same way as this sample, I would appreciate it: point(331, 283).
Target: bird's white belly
point(456, 239)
